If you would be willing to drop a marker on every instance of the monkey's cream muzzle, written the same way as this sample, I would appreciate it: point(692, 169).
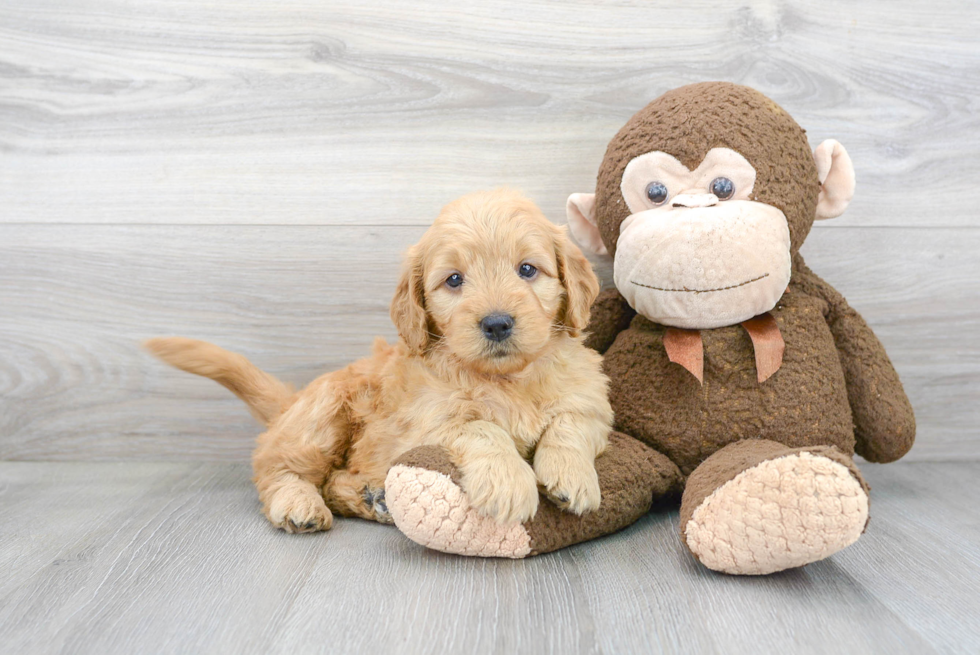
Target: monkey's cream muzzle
point(703, 266)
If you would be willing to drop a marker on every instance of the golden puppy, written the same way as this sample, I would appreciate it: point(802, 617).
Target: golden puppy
point(490, 364)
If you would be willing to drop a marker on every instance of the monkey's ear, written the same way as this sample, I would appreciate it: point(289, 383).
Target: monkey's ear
point(580, 209)
point(408, 306)
point(580, 282)
point(836, 173)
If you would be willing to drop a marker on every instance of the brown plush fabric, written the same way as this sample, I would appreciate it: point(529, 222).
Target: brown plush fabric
point(836, 391)
point(803, 403)
point(631, 476)
point(836, 382)
point(691, 120)
point(432, 458)
point(884, 423)
point(611, 314)
point(738, 457)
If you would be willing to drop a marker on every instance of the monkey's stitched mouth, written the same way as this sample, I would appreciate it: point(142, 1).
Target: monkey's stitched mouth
point(686, 290)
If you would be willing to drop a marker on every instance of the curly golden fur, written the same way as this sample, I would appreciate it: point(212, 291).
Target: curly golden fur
point(494, 404)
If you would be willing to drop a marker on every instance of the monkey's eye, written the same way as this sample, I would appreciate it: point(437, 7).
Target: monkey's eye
point(657, 193)
point(723, 188)
point(527, 271)
point(454, 280)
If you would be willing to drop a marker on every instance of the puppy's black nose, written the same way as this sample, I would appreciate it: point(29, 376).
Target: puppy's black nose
point(497, 327)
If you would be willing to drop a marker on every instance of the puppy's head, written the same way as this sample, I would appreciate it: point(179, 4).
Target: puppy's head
point(494, 282)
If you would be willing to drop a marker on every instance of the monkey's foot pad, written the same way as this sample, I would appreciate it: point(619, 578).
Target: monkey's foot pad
point(430, 509)
point(427, 504)
point(780, 514)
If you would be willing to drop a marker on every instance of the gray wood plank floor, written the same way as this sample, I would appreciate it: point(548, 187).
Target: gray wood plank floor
point(175, 558)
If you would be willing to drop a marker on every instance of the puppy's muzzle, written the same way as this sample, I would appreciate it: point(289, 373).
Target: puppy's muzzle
point(497, 327)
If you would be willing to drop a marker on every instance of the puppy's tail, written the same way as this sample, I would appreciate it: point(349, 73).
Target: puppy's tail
point(266, 396)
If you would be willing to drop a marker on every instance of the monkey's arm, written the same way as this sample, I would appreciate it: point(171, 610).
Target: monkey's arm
point(610, 315)
point(884, 424)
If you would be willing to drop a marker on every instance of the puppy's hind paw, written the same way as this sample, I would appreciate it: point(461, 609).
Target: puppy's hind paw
point(374, 499)
point(296, 509)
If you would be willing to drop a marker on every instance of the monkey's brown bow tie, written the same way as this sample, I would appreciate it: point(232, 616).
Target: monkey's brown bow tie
point(684, 347)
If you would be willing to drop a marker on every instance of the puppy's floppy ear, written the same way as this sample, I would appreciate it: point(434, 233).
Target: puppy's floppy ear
point(580, 282)
point(408, 306)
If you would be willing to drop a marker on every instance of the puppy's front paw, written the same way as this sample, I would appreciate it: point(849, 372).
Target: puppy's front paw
point(569, 480)
point(294, 508)
point(503, 489)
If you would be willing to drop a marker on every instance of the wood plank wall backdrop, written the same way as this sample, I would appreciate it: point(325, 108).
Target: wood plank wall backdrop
point(250, 172)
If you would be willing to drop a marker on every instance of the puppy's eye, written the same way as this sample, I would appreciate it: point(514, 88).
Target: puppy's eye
point(657, 193)
point(527, 271)
point(454, 280)
point(723, 188)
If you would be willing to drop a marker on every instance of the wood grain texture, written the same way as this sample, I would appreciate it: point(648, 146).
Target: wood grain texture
point(77, 386)
point(249, 173)
point(303, 300)
point(168, 558)
point(122, 111)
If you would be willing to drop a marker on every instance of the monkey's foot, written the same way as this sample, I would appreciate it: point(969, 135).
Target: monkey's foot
point(758, 507)
point(427, 504)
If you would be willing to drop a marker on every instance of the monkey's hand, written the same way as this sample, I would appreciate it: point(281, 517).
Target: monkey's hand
point(884, 424)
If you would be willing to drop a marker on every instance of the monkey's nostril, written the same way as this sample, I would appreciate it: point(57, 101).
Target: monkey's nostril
point(694, 200)
point(497, 327)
